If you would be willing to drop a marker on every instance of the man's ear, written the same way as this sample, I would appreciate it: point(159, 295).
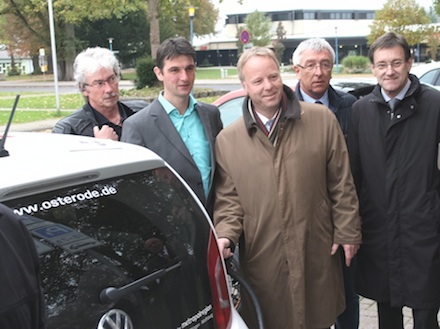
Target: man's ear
point(158, 73)
point(83, 89)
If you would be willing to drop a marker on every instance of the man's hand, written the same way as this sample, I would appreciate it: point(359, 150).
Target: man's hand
point(224, 246)
point(350, 251)
point(105, 132)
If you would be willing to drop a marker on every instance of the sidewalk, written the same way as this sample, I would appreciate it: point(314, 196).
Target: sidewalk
point(368, 315)
point(36, 126)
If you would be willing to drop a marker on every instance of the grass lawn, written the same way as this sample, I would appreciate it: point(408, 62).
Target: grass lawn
point(201, 73)
point(22, 116)
point(40, 101)
point(36, 107)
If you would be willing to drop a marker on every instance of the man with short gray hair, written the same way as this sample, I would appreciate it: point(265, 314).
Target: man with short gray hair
point(313, 63)
point(97, 72)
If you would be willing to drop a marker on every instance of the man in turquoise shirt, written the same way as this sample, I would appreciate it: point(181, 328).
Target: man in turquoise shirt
point(177, 127)
point(190, 128)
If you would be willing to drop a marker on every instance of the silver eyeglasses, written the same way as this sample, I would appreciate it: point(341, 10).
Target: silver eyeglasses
point(394, 64)
point(324, 66)
point(101, 83)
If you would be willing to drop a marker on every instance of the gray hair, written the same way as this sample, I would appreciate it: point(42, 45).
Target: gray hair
point(314, 44)
point(92, 60)
point(254, 51)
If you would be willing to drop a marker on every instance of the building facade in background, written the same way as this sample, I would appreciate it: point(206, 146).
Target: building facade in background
point(345, 30)
point(22, 63)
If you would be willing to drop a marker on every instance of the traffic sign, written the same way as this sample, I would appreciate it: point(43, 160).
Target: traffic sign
point(245, 36)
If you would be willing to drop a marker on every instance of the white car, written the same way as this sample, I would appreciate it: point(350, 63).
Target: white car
point(123, 242)
point(428, 73)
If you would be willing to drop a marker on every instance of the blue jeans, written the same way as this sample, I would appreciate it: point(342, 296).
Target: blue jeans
point(349, 319)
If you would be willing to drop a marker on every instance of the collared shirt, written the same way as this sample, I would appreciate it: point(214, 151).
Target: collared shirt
point(102, 120)
point(191, 130)
point(400, 95)
point(324, 99)
point(267, 121)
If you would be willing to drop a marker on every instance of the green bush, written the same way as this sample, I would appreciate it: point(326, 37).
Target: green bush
point(14, 71)
point(355, 64)
point(206, 63)
point(145, 76)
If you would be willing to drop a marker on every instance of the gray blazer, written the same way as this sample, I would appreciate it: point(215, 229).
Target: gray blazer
point(152, 128)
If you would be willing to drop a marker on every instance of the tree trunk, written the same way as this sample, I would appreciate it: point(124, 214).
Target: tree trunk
point(70, 52)
point(153, 18)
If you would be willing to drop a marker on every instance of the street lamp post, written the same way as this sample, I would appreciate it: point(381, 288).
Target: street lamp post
point(337, 50)
point(191, 11)
point(54, 53)
point(110, 43)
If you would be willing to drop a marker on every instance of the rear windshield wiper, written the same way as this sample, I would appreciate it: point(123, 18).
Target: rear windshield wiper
point(111, 294)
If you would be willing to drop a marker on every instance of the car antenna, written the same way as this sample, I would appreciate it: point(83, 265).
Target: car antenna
point(3, 152)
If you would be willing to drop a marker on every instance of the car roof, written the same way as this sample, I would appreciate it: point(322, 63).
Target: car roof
point(357, 87)
point(230, 95)
point(421, 69)
point(40, 158)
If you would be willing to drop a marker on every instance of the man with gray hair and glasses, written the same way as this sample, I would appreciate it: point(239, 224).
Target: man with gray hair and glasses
point(313, 63)
point(97, 71)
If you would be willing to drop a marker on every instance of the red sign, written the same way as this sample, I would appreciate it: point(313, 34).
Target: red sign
point(245, 37)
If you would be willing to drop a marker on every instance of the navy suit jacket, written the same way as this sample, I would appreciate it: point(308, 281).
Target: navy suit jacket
point(152, 128)
point(340, 104)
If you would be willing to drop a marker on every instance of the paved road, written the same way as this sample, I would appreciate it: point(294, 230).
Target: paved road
point(68, 87)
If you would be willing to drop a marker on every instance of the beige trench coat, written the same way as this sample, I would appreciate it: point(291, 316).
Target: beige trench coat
point(289, 204)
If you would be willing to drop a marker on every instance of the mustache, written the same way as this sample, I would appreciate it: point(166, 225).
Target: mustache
point(112, 94)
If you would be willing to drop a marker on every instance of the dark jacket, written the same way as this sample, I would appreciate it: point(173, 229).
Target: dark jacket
point(82, 121)
point(21, 299)
point(394, 165)
point(340, 104)
point(153, 128)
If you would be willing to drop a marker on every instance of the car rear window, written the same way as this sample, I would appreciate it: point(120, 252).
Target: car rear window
point(113, 232)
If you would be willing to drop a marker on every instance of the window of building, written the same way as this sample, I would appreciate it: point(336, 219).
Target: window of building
point(280, 16)
point(298, 15)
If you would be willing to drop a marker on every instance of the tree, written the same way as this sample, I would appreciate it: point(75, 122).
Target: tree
point(433, 42)
point(258, 26)
point(278, 44)
point(405, 17)
point(129, 35)
point(153, 18)
point(178, 20)
point(28, 22)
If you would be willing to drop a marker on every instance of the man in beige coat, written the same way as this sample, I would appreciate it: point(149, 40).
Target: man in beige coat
point(284, 191)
